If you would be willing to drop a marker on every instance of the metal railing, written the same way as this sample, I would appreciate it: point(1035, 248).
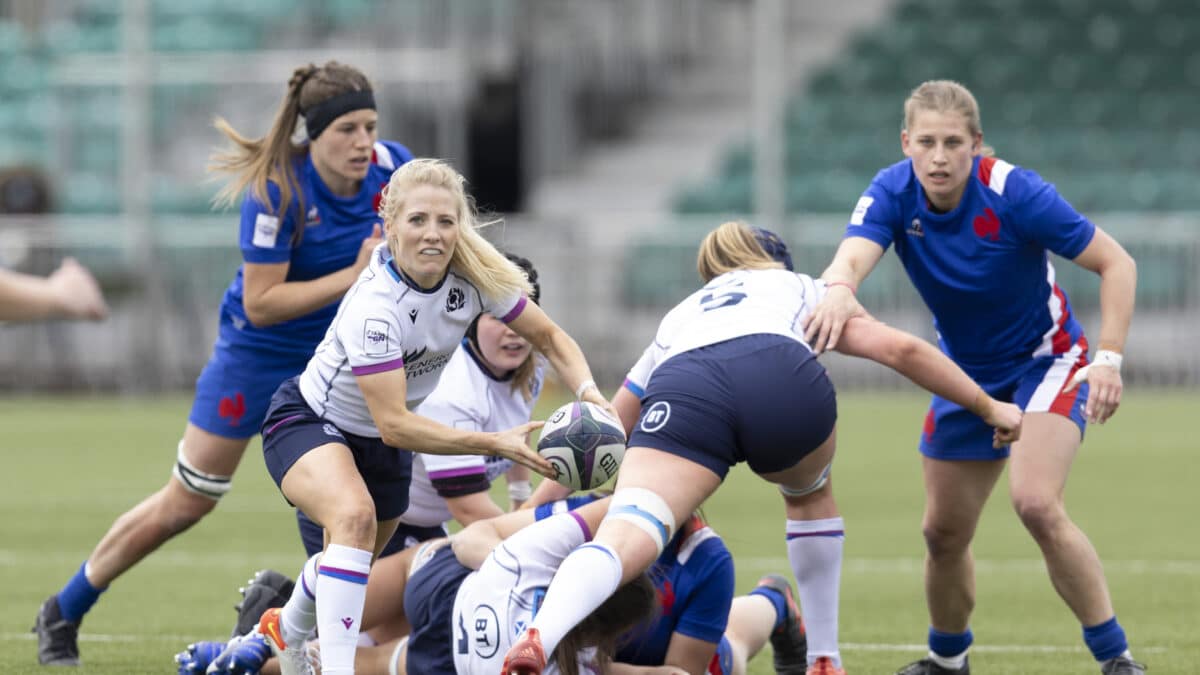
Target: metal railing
point(607, 283)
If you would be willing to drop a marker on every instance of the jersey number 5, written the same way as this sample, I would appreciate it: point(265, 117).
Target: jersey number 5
point(722, 296)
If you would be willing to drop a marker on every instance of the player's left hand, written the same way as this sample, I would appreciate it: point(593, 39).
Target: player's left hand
point(1104, 395)
point(514, 445)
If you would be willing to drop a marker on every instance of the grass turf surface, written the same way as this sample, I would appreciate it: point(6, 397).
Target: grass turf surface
point(73, 464)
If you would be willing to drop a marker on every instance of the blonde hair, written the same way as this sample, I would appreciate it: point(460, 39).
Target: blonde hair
point(253, 162)
point(946, 96)
point(474, 257)
point(732, 246)
point(525, 374)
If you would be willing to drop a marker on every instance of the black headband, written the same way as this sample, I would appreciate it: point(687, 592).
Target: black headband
point(322, 114)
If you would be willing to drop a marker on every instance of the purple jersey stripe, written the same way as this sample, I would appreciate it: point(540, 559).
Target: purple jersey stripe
point(587, 531)
point(345, 575)
point(516, 311)
point(633, 387)
point(821, 533)
point(454, 473)
point(282, 422)
point(377, 367)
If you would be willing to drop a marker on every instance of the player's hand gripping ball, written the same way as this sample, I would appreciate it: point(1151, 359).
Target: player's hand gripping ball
point(584, 443)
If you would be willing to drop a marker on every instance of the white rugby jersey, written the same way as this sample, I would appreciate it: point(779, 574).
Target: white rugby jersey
point(493, 605)
point(467, 397)
point(742, 302)
point(387, 322)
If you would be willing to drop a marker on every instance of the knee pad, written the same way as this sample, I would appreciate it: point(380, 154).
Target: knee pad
point(647, 511)
point(197, 482)
point(817, 484)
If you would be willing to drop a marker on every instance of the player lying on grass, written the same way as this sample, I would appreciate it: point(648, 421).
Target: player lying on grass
point(729, 378)
point(699, 627)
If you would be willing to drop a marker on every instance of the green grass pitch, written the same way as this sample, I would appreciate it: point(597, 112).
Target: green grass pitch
point(72, 465)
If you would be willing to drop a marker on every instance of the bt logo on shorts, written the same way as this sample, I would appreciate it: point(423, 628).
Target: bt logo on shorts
point(331, 430)
point(656, 417)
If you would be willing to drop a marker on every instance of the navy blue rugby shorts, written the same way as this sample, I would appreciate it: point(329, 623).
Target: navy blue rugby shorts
point(291, 429)
point(761, 399)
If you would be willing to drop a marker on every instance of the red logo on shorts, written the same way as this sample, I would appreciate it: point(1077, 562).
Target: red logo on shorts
point(930, 425)
point(232, 408)
point(987, 225)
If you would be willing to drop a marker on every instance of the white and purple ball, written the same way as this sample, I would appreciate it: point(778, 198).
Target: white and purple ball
point(584, 443)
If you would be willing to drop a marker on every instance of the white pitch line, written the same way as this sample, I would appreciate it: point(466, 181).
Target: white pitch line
point(248, 560)
point(100, 637)
point(995, 649)
point(845, 646)
point(1025, 565)
point(251, 561)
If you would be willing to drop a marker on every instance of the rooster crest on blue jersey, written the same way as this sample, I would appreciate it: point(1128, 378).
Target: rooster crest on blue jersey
point(584, 443)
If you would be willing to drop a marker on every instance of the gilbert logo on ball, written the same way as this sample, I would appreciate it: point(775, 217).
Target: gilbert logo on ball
point(584, 443)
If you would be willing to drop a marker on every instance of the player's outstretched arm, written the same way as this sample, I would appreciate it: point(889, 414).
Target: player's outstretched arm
point(474, 543)
point(562, 351)
point(854, 260)
point(922, 363)
point(70, 292)
point(399, 427)
point(1118, 286)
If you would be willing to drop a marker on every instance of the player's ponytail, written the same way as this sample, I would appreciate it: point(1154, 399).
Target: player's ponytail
point(735, 245)
point(946, 96)
point(253, 162)
point(631, 605)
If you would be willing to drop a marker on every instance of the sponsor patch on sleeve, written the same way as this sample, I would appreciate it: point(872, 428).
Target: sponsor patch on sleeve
point(375, 337)
point(266, 230)
point(860, 210)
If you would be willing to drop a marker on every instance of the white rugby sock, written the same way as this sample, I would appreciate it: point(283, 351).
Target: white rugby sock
point(341, 591)
point(815, 551)
point(298, 617)
point(584, 580)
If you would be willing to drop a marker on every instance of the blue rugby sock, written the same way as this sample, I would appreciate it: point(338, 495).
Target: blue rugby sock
point(1106, 640)
point(777, 600)
point(78, 596)
point(949, 650)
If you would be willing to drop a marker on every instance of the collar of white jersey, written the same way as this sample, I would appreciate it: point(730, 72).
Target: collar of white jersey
point(398, 274)
point(470, 350)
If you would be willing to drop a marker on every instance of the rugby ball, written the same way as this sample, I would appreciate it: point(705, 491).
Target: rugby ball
point(584, 443)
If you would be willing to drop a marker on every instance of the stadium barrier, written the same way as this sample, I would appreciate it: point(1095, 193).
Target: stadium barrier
point(606, 277)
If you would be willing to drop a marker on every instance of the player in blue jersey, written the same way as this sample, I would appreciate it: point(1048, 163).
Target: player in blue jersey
point(308, 226)
point(69, 292)
point(974, 233)
point(729, 378)
point(337, 438)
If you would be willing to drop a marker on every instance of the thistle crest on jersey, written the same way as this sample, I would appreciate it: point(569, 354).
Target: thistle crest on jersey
point(584, 443)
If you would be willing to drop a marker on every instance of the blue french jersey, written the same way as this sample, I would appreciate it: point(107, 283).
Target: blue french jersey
point(694, 578)
point(333, 232)
point(982, 268)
